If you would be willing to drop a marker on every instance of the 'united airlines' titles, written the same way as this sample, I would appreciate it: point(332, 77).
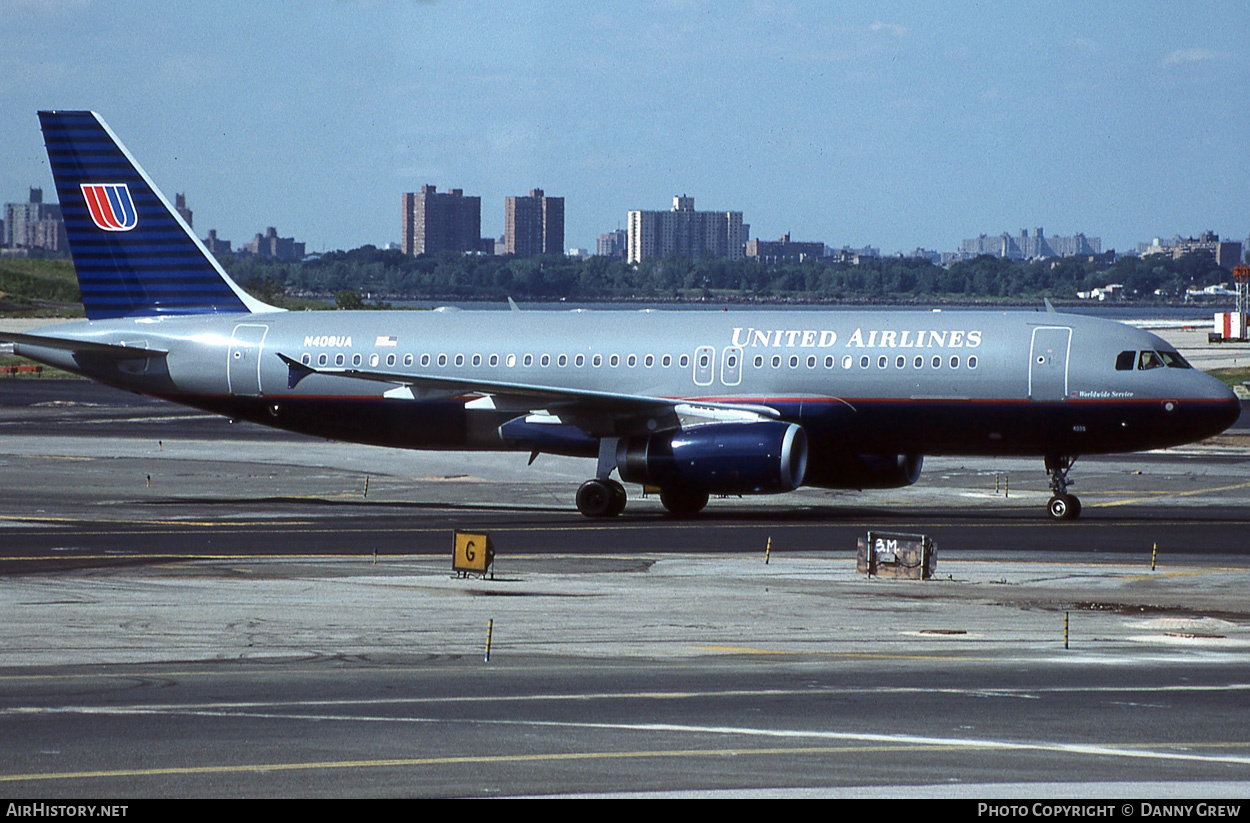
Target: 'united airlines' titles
point(858, 339)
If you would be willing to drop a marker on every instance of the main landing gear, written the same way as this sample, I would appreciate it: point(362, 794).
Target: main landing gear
point(683, 502)
point(601, 498)
point(605, 497)
point(1062, 506)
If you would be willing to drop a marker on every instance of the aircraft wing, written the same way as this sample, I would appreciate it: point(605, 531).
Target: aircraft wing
point(597, 412)
point(81, 346)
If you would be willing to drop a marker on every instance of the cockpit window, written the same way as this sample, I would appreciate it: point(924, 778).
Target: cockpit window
point(1124, 360)
point(1149, 360)
point(1173, 360)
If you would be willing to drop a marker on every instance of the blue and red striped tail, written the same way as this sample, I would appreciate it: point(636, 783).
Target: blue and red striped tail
point(133, 253)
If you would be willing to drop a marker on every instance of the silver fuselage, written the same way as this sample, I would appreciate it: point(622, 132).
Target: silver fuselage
point(871, 381)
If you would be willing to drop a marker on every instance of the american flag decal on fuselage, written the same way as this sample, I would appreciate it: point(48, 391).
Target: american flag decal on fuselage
point(110, 206)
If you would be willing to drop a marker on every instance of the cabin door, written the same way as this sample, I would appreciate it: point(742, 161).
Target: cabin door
point(243, 365)
point(1048, 363)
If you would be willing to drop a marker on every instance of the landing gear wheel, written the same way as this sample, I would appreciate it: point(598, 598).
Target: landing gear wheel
point(619, 498)
point(1064, 507)
point(597, 498)
point(683, 502)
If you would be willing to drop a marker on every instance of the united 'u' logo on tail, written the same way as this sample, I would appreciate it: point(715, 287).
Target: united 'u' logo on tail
point(110, 206)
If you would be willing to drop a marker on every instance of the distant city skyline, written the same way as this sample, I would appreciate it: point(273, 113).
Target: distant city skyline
point(907, 126)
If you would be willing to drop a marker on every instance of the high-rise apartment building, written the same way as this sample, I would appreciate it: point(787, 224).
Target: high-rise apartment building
point(533, 225)
point(685, 231)
point(434, 223)
point(180, 206)
point(1025, 247)
point(614, 244)
point(34, 225)
point(1227, 253)
point(784, 250)
point(272, 246)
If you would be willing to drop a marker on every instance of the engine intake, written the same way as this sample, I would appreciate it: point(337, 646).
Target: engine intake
point(763, 457)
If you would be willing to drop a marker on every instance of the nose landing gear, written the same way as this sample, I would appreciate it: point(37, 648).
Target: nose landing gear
point(1061, 506)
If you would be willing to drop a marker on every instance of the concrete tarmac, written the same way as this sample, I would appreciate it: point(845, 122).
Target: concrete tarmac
point(194, 609)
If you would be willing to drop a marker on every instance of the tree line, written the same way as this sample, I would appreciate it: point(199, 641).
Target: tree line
point(377, 274)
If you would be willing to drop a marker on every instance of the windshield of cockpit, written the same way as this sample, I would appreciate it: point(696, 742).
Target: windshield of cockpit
point(1150, 359)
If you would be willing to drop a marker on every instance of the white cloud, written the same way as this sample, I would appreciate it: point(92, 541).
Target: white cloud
point(889, 28)
point(1180, 56)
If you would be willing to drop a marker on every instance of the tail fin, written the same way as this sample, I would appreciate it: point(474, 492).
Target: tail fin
point(133, 253)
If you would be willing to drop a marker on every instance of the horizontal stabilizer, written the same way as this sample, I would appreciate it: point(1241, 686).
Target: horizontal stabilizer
point(82, 346)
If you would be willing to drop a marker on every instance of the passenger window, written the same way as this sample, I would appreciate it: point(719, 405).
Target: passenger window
point(972, 362)
point(864, 361)
point(954, 362)
point(684, 361)
point(776, 361)
point(614, 360)
point(597, 360)
point(667, 361)
point(425, 360)
point(373, 361)
point(900, 361)
point(1149, 360)
point(322, 360)
point(494, 360)
point(759, 360)
point(811, 361)
point(937, 362)
point(882, 361)
point(846, 362)
point(546, 360)
point(477, 359)
point(390, 360)
point(918, 362)
point(338, 359)
point(306, 359)
point(649, 361)
point(528, 360)
point(794, 361)
point(1124, 360)
point(562, 360)
point(632, 360)
point(579, 360)
point(442, 360)
point(829, 362)
point(407, 360)
point(511, 360)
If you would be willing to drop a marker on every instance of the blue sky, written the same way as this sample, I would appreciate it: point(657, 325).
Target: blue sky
point(897, 125)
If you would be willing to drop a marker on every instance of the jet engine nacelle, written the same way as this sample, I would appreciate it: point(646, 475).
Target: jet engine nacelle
point(763, 457)
point(865, 471)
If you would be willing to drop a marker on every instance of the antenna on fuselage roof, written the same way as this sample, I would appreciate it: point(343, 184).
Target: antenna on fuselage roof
point(1049, 308)
point(512, 306)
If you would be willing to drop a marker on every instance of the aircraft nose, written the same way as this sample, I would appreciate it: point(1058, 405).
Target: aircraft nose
point(1220, 408)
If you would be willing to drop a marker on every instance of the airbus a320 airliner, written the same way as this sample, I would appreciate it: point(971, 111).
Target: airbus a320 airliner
point(695, 403)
